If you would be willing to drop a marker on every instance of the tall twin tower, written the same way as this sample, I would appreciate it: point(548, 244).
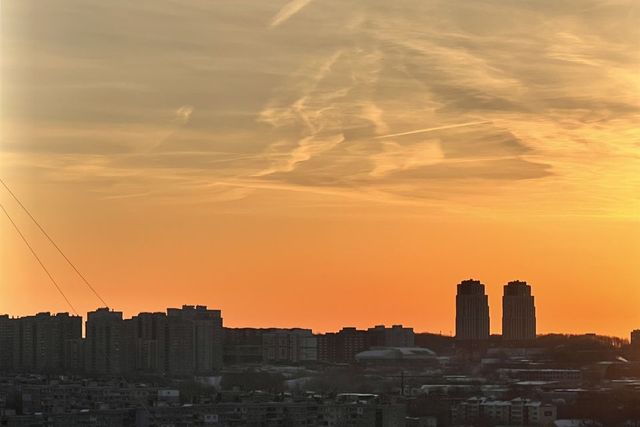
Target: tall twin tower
point(472, 312)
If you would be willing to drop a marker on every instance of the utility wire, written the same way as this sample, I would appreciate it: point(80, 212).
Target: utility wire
point(24, 239)
point(54, 244)
point(142, 403)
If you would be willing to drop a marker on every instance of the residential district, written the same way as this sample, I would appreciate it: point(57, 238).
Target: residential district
point(182, 367)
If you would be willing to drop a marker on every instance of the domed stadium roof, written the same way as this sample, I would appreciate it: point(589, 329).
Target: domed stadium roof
point(396, 353)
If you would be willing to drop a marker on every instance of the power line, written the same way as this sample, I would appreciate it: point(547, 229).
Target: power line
point(24, 239)
point(54, 244)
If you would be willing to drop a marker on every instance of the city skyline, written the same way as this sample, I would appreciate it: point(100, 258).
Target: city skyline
point(324, 160)
point(303, 213)
point(472, 317)
point(193, 340)
point(184, 365)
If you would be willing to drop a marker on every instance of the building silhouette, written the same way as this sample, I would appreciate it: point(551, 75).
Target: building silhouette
point(243, 345)
point(472, 312)
point(635, 339)
point(289, 346)
point(518, 312)
point(195, 339)
point(183, 341)
point(147, 334)
point(105, 344)
point(342, 346)
point(395, 336)
point(37, 343)
point(6, 342)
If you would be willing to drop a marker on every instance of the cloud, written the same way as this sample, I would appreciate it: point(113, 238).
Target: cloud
point(432, 129)
point(183, 114)
point(364, 98)
point(510, 169)
point(312, 113)
point(287, 11)
point(307, 148)
point(396, 157)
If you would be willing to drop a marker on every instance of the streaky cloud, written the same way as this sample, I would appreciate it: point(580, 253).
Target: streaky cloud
point(433, 129)
point(287, 11)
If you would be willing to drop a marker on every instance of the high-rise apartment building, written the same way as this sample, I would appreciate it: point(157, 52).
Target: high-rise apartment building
point(106, 350)
point(518, 312)
point(6, 342)
point(195, 339)
point(39, 342)
point(147, 333)
point(472, 312)
point(52, 335)
point(24, 344)
point(184, 341)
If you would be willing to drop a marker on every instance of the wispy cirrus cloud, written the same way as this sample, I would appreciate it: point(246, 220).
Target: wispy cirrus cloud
point(434, 100)
point(287, 11)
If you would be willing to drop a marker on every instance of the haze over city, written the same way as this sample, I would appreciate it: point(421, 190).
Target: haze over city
point(324, 163)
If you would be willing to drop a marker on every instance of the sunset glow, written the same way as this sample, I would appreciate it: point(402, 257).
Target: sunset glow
point(325, 163)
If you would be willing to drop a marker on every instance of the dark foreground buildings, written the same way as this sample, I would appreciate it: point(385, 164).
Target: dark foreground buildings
point(78, 403)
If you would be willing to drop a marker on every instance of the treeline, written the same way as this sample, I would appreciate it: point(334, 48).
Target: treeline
point(585, 340)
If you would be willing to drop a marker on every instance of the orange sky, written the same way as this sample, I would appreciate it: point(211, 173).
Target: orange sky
point(324, 164)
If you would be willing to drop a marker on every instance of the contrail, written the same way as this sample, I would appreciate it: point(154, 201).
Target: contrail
point(411, 132)
point(287, 11)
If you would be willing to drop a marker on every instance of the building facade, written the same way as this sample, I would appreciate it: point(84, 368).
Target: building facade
point(395, 336)
point(289, 346)
point(516, 412)
point(342, 346)
point(6, 343)
point(243, 345)
point(106, 351)
point(472, 312)
point(518, 312)
point(147, 334)
point(183, 341)
point(37, 343)
point(195, 339)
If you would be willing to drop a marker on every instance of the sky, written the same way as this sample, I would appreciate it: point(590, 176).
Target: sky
point(323, 163)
